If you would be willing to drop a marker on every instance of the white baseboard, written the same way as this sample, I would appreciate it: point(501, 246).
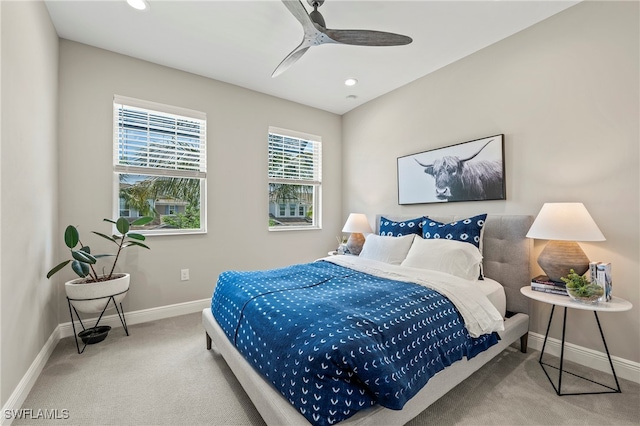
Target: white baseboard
point(19, 395)
point(16, 399)
point(625, 369)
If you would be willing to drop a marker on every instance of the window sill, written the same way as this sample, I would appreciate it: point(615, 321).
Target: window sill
point(172, 233)
point(294, 228)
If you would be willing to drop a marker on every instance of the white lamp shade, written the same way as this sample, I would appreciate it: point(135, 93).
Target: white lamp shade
point(357, 222)
point(565, 222)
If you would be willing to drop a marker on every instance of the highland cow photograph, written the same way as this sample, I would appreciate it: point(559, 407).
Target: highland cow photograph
point(469, 171)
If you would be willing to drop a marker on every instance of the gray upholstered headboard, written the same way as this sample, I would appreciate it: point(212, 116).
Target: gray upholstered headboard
point(506, 252)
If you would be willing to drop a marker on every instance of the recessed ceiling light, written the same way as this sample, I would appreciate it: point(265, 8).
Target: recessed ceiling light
point(352, 97)
point(138, 4)
point(350, 82)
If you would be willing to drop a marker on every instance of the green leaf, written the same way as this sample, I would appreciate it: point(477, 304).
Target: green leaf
point(136, 236)
point(109, 220)
point(122, 225)
point(135, 243)
point(112, 239)
point(83, 257)
point(98, 256)
point(57, 268)
point(142, 221)
point(71, 236)
point(85, 249)
point(82, 269)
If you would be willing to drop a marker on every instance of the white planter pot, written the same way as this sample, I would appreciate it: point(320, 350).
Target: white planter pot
point(92, 297)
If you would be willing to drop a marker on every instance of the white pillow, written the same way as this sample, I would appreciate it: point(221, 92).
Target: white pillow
point(450, 256)
point(386, 249)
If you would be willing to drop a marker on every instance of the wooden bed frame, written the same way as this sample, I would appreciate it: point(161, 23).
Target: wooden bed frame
point(506, 253)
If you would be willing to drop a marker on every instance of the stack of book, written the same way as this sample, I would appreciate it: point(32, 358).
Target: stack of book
point(543, 283)
point(600, 273)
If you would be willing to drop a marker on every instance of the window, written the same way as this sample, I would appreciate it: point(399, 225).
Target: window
point(295, 179)
point(160, 166)
point(124, 211)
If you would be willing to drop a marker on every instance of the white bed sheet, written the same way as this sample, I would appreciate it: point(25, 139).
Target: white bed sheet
point(495, 293)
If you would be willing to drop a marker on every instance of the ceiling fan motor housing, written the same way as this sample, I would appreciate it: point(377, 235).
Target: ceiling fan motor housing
point(317, 18)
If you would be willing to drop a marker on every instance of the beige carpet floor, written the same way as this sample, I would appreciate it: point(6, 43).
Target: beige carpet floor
point(162, 375)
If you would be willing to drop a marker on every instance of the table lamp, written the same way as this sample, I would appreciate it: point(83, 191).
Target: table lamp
point(357, 224)
point(563, 224)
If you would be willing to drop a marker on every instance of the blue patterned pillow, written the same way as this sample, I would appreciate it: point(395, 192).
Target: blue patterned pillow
point(467, 230)
point(398, 229)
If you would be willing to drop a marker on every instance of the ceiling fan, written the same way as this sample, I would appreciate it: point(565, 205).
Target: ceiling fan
point(316, 33)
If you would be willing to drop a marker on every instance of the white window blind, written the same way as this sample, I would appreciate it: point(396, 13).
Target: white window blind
point(160, 166)
point(294, 159)
point(159, 143)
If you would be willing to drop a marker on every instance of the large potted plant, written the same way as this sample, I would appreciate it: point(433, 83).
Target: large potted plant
point(90, 292)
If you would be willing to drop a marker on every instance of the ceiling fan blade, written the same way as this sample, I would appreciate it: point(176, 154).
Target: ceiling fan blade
point(367, 37)
point(298, 10)
point(291, 59)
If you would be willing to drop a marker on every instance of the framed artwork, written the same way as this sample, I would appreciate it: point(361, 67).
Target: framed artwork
point(468, 171)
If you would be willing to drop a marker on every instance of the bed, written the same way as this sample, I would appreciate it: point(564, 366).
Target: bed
point(506, 254)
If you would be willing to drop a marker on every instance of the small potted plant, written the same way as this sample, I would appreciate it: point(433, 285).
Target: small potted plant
point(581, 289)
point(342, 245)
point(89, 292)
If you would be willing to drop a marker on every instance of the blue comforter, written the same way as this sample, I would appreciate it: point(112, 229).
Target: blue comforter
point(335, 341)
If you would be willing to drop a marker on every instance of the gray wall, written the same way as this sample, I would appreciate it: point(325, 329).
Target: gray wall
point(565, 94)
point(238, 121)
point(28, 166)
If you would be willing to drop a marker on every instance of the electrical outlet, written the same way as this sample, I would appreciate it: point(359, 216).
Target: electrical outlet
point(184, 274)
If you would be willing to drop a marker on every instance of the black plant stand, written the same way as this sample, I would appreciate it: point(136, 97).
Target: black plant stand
point(109, 299)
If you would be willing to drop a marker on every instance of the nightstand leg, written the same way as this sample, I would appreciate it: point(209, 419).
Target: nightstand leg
point(546, 335)
point(607, 350)
point(564, 328)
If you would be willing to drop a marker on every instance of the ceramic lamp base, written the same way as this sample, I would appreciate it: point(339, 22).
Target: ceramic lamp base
point(355, 243)
point(558, 257)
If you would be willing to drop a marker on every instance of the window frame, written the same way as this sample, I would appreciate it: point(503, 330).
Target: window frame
point(201, 174)
point(316, 204)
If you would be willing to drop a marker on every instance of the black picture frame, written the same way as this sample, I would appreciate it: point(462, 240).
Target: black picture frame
point(468, 171)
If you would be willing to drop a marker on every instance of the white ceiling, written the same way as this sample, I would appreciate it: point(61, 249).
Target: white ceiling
point(241, 42)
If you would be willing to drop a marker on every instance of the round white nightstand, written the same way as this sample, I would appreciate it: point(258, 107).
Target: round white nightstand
point(616, 304)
